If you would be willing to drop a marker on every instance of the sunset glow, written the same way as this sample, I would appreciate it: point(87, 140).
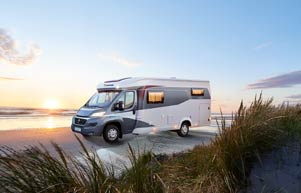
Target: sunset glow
point(196, 40)
point(51, 104)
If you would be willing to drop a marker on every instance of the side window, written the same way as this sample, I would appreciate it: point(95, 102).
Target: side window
point(128, 98)
point(155, 97)
point(121, 98)
point(197, 92)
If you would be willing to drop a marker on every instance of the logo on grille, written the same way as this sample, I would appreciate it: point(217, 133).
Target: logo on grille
point(77, 121)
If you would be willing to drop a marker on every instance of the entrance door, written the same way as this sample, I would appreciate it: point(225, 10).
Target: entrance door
point(204, 114)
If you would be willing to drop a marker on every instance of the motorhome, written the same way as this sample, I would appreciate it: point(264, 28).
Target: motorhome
point(144, 105)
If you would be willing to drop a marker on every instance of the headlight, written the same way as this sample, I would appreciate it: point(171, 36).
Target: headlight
point(98, 114)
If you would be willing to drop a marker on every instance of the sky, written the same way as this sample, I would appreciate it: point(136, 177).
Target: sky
point(60, 50)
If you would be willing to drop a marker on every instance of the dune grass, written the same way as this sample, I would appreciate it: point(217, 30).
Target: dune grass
point(222, 166)
point(36, 170)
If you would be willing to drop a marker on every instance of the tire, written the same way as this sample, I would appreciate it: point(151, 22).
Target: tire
point(111, 133)
point(184, 130)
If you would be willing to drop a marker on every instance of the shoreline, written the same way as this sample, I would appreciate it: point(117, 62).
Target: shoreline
point(34, 128)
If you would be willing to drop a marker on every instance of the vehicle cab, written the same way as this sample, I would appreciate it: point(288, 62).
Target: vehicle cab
point(109, 112)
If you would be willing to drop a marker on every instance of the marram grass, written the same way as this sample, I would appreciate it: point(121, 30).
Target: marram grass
point(222, 166)
point(36, 170)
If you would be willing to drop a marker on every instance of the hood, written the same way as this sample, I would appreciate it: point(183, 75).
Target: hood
point(86, 112)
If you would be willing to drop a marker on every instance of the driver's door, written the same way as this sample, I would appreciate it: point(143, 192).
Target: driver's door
point(128, 114)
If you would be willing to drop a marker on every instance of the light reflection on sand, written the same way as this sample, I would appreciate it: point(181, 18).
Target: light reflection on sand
point(48, 122)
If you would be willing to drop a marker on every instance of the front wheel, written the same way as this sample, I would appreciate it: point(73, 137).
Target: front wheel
point(184, 130)
point(111, 133)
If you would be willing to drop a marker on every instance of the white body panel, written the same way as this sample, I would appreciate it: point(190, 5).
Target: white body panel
point(197, 111)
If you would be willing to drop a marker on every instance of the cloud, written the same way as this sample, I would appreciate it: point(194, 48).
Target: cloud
point(296, 96)
point(10, 54)
point(116, 58)
point(280, 81)
point(9, 78)
point(263, 45)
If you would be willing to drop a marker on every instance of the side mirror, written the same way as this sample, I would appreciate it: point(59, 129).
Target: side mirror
point(119, 106)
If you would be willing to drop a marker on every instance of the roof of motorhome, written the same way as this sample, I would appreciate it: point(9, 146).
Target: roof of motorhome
point(142, 81)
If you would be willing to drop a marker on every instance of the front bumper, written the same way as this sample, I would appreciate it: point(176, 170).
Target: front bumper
point(87, 125)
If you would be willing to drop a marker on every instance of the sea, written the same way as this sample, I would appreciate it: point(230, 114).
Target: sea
point(14, 118)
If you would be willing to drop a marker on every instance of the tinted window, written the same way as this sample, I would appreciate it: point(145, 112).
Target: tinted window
point(197, 92)
point(155, 97)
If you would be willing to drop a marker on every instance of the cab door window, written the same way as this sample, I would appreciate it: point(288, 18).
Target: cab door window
point(128, 99)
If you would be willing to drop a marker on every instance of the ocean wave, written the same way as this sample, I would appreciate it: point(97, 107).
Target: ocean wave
point(34, 112)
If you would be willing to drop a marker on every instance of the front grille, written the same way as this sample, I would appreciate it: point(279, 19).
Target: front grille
point(92, 124)
point(80, 121)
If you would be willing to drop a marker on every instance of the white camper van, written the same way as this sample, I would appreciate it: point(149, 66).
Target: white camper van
point(144, 105)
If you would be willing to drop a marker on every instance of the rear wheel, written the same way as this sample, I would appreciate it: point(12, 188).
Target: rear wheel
point(184, 130)
point(111, 133)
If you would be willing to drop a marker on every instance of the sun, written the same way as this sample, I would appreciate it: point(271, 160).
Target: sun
point(51, 104)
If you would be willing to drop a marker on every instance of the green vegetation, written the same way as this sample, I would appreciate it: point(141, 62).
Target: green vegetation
point(222, 166)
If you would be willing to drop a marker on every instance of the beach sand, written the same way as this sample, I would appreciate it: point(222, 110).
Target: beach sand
point(111, 154)
point(161, 141)
point(278, 171)
point(20, 139)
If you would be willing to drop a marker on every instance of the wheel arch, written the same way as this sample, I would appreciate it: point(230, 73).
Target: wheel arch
point(186, 120)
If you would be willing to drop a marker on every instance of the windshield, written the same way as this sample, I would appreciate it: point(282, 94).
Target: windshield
point(102, 99)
